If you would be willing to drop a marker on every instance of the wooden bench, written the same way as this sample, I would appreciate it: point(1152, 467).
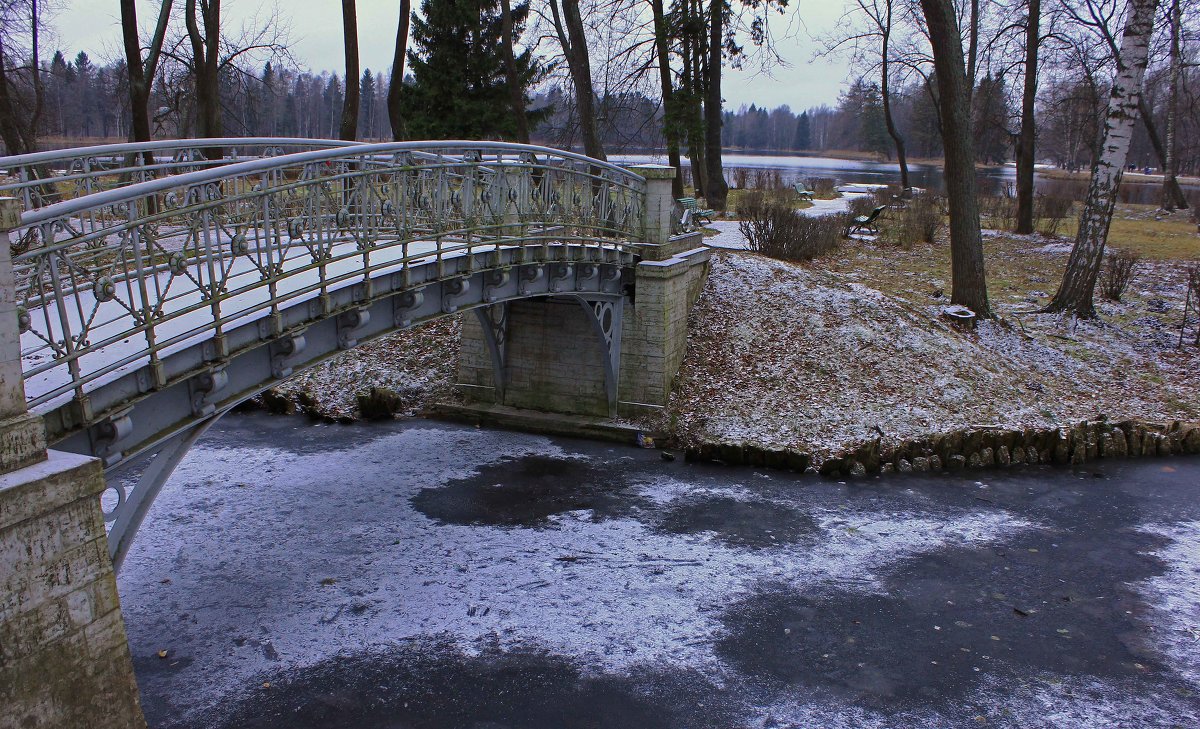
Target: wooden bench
point(803, 192)
point(866, 222)
point(690, 205)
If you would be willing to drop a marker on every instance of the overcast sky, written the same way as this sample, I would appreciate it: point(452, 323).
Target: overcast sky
point(93, 26)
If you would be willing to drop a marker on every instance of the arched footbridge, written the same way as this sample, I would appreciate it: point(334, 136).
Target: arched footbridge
point(151, 297)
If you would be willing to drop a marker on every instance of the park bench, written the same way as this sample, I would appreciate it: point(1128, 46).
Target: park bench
point(866, 222)
point(803, 192)
point(691, 207)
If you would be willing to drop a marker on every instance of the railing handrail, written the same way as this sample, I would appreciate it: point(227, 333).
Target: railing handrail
point(199, 177)
point(121, 148)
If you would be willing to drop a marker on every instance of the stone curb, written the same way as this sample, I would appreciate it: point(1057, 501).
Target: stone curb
point(972, 448)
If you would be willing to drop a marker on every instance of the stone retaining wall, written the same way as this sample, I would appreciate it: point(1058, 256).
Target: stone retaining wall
point(975, 448)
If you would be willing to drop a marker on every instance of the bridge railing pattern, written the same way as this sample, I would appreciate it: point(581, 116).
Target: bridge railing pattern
point(44, 178)
point(118, 279)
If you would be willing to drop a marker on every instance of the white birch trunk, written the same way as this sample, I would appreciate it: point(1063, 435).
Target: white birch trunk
point(1083, 267)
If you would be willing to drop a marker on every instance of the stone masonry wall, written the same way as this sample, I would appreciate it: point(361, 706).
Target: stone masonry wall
point(654, 338)
point(64, 658)
point(555, 360)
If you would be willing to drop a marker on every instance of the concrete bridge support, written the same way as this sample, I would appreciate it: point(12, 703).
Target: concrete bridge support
point(594, 357)
point(64, 657)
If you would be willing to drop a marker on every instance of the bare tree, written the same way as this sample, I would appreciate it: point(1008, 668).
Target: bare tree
point(1079, 281)
point(872, 47)
point(568, 27)
point(968, 276)
point(1170, 165)
point(21, 113)
point(717, 190)
point(142, 71)
point(516, 90)
point(206, 65)
point(671, 115)
point(396, 81)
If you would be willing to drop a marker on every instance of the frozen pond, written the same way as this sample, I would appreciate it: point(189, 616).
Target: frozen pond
point(417, 574)
point(991, 180)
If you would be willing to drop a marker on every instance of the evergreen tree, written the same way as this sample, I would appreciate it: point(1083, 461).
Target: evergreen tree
point(459, 89)
point(990, 109)
point(874, 126)
point(803, 138)
point(366, 104)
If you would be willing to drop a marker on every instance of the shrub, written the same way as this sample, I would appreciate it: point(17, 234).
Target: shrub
point(1000, 212)
point(821, 186)
point(1051, 211)
point(1117, 274)
point(775, 229)
point(920, 220)
point(1192, 302)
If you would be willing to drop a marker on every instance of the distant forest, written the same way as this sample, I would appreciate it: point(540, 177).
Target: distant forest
point(85, 100)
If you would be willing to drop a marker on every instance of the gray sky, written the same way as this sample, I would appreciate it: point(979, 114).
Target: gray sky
point(93, 26)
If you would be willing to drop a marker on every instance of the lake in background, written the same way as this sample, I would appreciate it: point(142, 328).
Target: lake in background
point(992, 180)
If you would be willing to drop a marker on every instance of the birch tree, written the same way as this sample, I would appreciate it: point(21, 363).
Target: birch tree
point(1079, 281)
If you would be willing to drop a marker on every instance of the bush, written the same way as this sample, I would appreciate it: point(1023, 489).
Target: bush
point(920, 220)
point(1051, 211)
point(999, 212)
point(1117, 274)
point(773, 228)
point(825, 187)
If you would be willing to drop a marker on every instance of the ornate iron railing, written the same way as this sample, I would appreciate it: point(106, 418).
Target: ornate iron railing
point(44, 178)
point(118, 279)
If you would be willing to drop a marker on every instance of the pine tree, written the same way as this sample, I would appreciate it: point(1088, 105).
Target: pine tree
point(803, 138)
point(459, 89)
point(366, 104)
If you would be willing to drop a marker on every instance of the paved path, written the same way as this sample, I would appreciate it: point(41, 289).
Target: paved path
point(420, 575)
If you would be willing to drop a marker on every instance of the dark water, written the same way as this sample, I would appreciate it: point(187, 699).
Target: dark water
point(991, 181)
point(415, 574)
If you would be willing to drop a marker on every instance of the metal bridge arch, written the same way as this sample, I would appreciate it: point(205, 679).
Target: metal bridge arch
point(147, 309)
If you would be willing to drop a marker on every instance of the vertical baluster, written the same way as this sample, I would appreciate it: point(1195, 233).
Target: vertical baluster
point(156, 368)
point(65, 329)
point(273, 239)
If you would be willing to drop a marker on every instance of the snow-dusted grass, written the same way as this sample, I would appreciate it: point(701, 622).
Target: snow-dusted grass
point(418, 364)
point(822, 357)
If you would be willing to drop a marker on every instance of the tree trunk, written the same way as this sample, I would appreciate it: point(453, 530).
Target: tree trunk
point(897, 140)
point(206, 68)
point(348, 129)
point(571, 37)
point(516, 93)
point(717, 191)
point(396, 83)
point(968, 277)
point(1079, 281)
point(10, 126)
point(1171, 163)
point(693, 122)
point(670, 113)
point(35, 71)
point(1026, 140)
point(141, 73)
